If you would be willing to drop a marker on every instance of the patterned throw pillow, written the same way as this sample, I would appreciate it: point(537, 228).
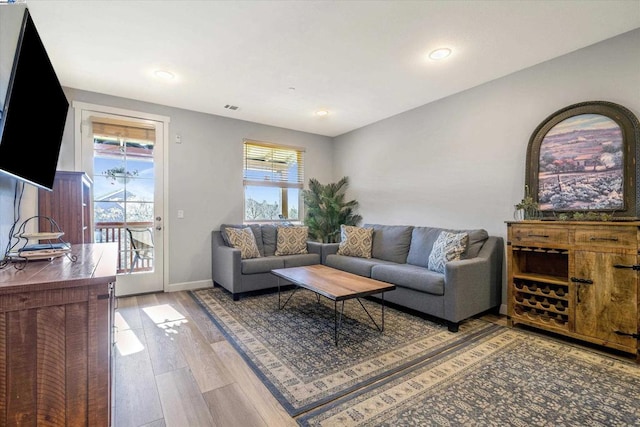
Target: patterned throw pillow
point(243, 239)
point(355, 241)
point(447, 247)
point(292, 240)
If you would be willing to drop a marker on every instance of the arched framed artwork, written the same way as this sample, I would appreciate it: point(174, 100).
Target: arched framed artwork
point(582, 158)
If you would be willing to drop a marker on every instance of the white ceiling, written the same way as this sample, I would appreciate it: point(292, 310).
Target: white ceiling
point(361, 60)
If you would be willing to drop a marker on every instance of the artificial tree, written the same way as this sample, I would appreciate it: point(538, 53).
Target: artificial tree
point(326, 210)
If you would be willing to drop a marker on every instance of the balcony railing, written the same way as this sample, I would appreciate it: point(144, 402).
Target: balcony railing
point(106, 232)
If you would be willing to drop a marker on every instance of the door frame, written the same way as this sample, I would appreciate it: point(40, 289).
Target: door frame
point(79, 126)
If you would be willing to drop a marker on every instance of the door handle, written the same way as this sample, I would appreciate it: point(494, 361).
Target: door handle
point(579, 280)
point(626, 334)
point(632, 267)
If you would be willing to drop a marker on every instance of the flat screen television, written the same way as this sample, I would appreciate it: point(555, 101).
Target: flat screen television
point(34, 113)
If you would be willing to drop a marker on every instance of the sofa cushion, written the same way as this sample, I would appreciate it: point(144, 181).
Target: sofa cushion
point(476, 241)
point(391, 242)
point(243, 239)
point(447, 247)
point(291, 240)
point(269, 239)
point(355, 241)
point(410, 276)
point(422, 240)
point(261, 265)
point(300, 260)
point(355, 265)
point(255, 228)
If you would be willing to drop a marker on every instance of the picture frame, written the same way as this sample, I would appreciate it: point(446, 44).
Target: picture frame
point(582, 159)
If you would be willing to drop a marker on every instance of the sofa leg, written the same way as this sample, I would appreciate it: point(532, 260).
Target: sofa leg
point(453, 326)
point(236, 297)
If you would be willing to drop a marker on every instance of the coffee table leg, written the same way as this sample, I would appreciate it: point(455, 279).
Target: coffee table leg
point(337, 324)
point(371, 317)
point(285, 303)
point(382, 312)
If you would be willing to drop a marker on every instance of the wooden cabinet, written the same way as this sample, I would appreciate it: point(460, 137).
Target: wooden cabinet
point(69, 205)
point(578, 279)
point(55, 339)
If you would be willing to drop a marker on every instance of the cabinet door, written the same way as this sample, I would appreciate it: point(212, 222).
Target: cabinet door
point(610, 303)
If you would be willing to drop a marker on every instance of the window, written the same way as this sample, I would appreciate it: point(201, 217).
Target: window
point(273, 179)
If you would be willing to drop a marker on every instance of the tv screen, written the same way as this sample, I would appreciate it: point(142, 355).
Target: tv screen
point(34, 112)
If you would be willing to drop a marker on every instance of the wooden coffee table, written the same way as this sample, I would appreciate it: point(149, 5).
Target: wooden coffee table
point(337, 285)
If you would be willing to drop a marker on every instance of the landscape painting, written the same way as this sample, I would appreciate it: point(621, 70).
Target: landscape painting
point(581, 165)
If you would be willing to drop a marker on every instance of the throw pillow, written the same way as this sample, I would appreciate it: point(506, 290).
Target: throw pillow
point(447, 247)
point(292, 240)
point(355, 241)
point(243, 239)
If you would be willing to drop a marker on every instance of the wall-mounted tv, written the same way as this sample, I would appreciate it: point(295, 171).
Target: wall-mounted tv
point(34, 112)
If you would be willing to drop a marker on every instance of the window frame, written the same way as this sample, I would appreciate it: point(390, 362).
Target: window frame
point(284, 185)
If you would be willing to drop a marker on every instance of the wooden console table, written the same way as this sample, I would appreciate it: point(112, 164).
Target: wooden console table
point(578, 279)
point(55, 339)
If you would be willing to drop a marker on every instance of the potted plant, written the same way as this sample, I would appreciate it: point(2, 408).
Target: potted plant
point(527, 208)
point(326, 210)
point(119, 174)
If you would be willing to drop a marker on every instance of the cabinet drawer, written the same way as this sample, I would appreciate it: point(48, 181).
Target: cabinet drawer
point(536, 235)
point(619, 237)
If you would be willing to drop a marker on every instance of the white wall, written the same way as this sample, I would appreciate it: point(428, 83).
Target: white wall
point(205, 174)
point(460, 162)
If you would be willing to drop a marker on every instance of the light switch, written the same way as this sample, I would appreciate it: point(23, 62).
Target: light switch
point(180, 213)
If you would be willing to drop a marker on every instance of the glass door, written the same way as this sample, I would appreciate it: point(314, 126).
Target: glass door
point(126, 167)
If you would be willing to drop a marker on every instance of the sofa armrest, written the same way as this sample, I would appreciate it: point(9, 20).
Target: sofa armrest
point(474, 285)
point(225, 264)
point(328, 249)
point(314, 248)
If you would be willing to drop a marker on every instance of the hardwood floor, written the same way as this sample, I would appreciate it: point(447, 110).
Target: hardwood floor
point(173, 367)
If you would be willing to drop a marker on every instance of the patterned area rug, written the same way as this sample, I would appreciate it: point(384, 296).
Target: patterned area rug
point(509, 377)
point(293, 352)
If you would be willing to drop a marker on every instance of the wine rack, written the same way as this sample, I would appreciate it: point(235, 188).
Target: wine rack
point(540, 286)
point(578, 279)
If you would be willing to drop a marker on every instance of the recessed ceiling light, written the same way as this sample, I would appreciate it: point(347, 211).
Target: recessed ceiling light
point(164, 75)
point(322, 113)
point(439, 54)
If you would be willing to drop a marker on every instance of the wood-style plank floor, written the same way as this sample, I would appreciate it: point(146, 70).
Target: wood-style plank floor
point(173, 367)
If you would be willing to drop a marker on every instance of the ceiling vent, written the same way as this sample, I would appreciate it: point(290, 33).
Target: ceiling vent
point(231, 107)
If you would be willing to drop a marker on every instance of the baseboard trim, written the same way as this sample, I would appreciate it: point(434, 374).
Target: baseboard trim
point(503, 309)
point(188, 286)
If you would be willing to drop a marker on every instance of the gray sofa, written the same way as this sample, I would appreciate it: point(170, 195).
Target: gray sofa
point(400, 256)
point(239, 276)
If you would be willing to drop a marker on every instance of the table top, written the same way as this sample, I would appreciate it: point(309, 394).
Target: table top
point(334, 284)
point(96, 263)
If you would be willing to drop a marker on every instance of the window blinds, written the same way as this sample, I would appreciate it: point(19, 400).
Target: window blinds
point(273, 165)
point(131, 131)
